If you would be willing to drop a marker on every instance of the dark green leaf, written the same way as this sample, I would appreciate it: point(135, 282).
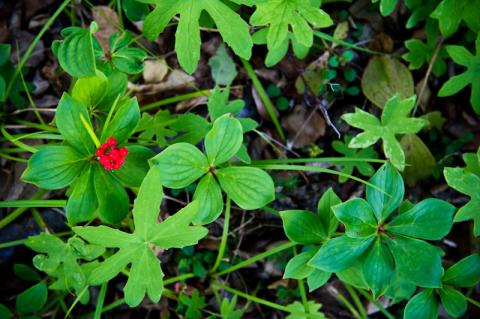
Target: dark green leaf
point(357, 216)
point(224, 139)
point(325, 212)
point(378, 268)
point(453, 301)
point(297, 267)
point(209, 194)
point(465, 273)
point(33, 299)
point(424, 305)
point(82, 202)
point(124, 122)
point(135, 167)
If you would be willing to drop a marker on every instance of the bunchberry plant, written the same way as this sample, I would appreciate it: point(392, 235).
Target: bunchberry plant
point(310, 229)
point(395, 120)
point(138, 249)
point(95, 173)
point(466, 181)
point(382, 241)
point(464, 274)
point(182, 164)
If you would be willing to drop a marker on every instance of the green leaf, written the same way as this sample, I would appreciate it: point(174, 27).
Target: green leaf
point(193, 128)
point(76, 40)
point(224, 139)
point(136, 249)
point(279, 15)
point(466, 183)
point(33, 299)
point(297, 267)
point(385, 77)
point(155, 127)
point(400, 289)
point(180, 165)
point(234, 31)
point(124, 122)
point(357, 216)
point(363, 167)
point(117, 83)
point(425, 269)
point(90, 90)
point(208, 193)
point(248, 187)
point(450, 14)
point(224, 70)
point(465, 273)
point(70, 126)
point(340, 253)
point(395, 120)
point(387, 6)
point(25, 272)
point(325, 212)
point(390, 194)
point(317, 279)
point(135, 167)
point(5, 313)
point(174, 232)
point(54, 167)
point(113, 201)
point(431, 219)
point(134, 10)
point(218, 103)
point(5, 51)
point(420, 161)
point(453, 301)
point(461, 56)
point(378, 268)
point(82, 202)
point(303, 227)
point(195, 304)
point(297, 311)
point(59, 259)
point(424, 305)
point(354, 275)
point(129, 60)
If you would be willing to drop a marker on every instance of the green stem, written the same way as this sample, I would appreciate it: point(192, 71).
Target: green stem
point(178, 278)
point(317, 160)
point(174, 99)
point(301, 287)
point(90, 131)
point(14, 141)
point(347, 304)
point(255, 258)
point(75, 302)
point(223, 242)
point(32, 46)
point(264, 97)
point(100, 301)
point(20, 210)
point(251, 298)
point(357, 301)
point(377, 304)
point(13, 158)
point(315, 169)
point(329, 38)
point(34, 203)
point(38, 126)
point(473, 302)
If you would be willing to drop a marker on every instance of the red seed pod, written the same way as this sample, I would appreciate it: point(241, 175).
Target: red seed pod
point(111, 141)
point(115, 154)
point(100, 152)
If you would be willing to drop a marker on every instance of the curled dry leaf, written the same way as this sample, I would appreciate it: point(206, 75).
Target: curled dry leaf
point(155, 71)
point(107, 21)
point(176, 80)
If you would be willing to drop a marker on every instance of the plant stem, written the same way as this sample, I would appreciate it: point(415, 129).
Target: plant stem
point(19, 211)
point(34, 203)
point(32, 46)
point(301, 287)
point(223, 242)
point(100, 301)
point(13, 140)
point(347, 304)
point(90, 131)
point(377, 304)
point(255, 258)
point(264, 97)
point(22, 241)
point(317, 160)
point(473, 302)
point(251, 298)
point(178, 278)
point(174, 99)
point(329, 38)
point(357, 301)
point(315, 169)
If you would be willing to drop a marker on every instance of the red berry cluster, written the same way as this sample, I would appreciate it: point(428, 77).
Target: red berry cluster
point(110, 156)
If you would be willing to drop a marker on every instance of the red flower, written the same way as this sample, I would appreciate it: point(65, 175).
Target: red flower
point(110, 156)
